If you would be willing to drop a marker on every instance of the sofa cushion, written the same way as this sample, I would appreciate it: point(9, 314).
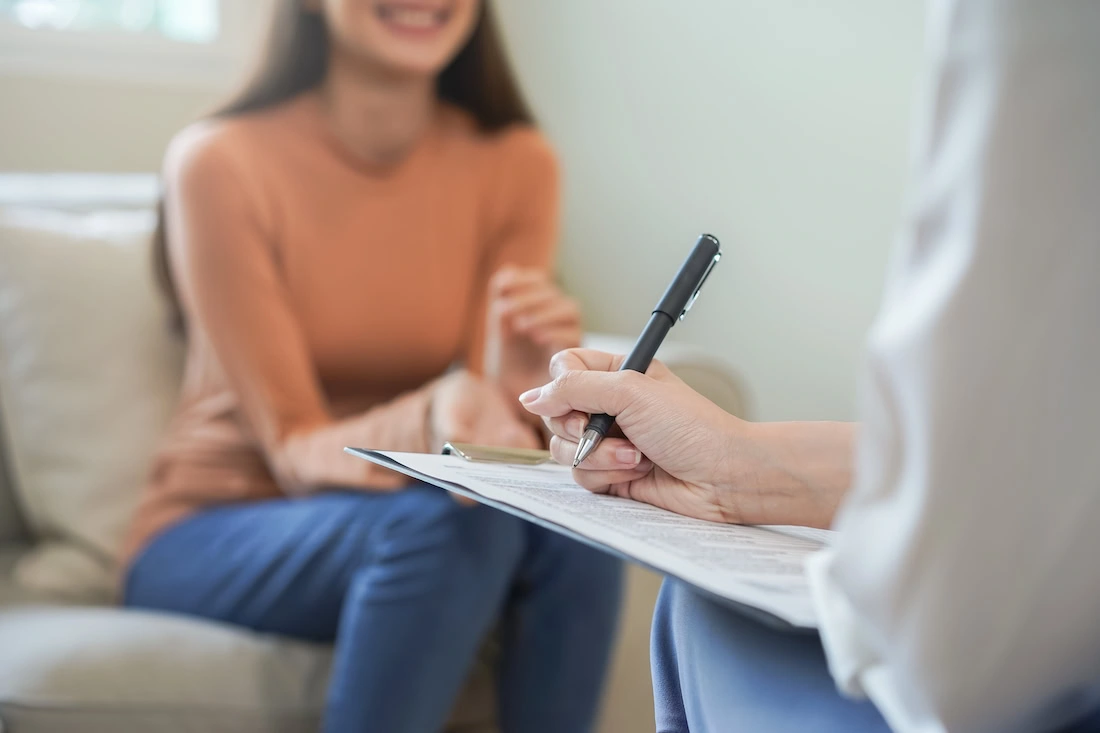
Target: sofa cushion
point(88, 376)
point(107, 669)
point(126, 670)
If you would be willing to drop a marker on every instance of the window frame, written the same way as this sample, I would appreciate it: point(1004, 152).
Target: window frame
point(135, 57)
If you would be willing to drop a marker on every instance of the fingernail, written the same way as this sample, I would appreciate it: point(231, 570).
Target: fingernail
point(530, 395)
point(628, 456)
point(575, 427)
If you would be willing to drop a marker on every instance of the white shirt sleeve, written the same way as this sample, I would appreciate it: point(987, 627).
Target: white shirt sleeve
point(963, 592)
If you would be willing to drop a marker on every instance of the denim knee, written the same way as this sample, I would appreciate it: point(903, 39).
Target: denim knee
point(431, 541)
point(669, 710)
point(589, 573)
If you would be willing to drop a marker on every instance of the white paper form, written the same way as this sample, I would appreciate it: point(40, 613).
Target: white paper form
point(758, 567)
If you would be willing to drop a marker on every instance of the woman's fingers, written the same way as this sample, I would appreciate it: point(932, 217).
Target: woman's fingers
point(551, 313)
point(613, 454)
point(586, 391)
point(580, 360)
point(570, 426)
point(511, 277)
point(542, 314)
point(616, 463)
point(558, 336)
point(528, 299)
point(607, 482)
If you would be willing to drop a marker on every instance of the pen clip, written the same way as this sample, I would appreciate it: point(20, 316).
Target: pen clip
point(695, 295)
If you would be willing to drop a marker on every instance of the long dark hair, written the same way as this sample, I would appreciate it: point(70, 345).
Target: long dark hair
point(295, 58)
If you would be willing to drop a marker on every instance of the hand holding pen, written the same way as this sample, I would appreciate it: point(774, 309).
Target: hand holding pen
point(682, 452)
point(673, 306)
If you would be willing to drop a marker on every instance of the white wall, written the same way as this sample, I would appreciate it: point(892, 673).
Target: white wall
point(60, 124)
point(778, 125)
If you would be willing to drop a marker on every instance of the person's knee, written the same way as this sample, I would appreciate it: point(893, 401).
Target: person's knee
point(431, 539)
point(669, 710)
point(680, 617)
point(589, 573)
point(665, 620)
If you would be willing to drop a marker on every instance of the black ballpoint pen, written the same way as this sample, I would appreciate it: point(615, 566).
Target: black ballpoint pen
point(673, 306)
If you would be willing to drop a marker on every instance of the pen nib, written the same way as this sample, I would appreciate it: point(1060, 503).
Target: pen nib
point(587, 444)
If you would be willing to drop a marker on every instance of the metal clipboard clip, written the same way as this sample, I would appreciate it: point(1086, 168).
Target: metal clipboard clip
point(492, 454)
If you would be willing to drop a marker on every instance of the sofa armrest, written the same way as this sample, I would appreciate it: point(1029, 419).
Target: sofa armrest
point(12, 528)
point(707, 374)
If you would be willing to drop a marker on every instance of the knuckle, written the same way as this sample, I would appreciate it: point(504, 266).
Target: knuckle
point(633, 383)
point(565, 381)
point(557, 427)
point(590, 482)
point(559, 362)
point(559, 449)
point(633, 388)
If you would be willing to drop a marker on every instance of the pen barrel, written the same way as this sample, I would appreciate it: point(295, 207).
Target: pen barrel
point(693, 272)
point(638, 360)
point(674, 304)
point(600, 423)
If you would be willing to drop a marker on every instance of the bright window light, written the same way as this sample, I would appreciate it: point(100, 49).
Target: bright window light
point(189, 21)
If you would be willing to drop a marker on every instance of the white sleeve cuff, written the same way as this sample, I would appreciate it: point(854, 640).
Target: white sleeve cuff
point(847, 654)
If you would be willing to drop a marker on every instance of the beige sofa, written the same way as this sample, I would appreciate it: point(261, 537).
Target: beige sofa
point(87, 377)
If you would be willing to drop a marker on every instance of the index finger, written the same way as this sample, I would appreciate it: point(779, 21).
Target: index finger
point(584, 360)
point(510, 277)
point(591, 360)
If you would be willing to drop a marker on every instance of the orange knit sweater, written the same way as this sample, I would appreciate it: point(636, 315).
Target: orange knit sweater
point(323, 297)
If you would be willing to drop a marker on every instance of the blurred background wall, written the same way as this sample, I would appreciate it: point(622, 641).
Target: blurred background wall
point(779, 125)
point(58, 123)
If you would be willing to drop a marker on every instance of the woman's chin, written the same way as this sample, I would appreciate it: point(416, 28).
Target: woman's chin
point(414, 62)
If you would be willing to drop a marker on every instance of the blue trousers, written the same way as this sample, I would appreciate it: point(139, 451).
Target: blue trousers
point(717, 671)
point(407, 585)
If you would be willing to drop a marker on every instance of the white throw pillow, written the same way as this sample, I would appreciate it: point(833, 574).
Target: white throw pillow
point(88, 378)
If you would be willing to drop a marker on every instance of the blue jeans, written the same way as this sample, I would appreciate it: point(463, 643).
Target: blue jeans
point(717, 671)
point(407, 585)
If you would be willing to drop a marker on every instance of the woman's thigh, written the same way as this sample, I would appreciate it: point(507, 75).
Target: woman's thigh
point(284, 565)
point(716, 670)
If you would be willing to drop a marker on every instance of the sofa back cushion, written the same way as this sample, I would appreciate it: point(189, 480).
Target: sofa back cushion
point(88, 378)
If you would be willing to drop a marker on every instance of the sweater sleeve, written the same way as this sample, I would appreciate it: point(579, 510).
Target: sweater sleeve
point(523, 207)
point(222, 251)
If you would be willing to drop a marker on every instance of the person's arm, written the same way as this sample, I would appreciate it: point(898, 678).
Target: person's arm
point(962, 592)
point(683, 453)
point(223, 256)
point(522, 211)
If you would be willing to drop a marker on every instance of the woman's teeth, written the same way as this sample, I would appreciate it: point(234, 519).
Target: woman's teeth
point(412, 17)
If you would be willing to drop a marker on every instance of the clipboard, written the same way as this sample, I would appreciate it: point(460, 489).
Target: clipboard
point(492, 454)
point(530, 457)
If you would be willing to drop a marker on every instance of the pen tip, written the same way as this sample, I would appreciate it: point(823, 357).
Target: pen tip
point(576, 462)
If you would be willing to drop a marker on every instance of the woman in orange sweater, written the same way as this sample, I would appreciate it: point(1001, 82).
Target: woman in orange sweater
point(373, 211)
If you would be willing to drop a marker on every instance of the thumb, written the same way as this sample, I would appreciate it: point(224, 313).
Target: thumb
point(586, 391)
